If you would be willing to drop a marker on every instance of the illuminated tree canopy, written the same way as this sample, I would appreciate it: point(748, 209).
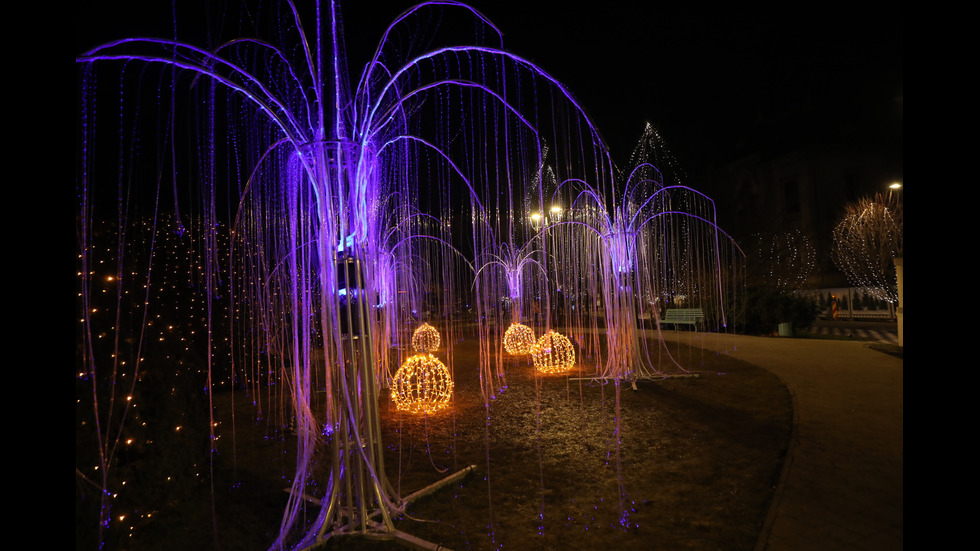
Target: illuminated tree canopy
point(866, 240)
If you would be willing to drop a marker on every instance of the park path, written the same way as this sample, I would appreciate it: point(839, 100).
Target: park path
point(875, 331)
point(842, 485)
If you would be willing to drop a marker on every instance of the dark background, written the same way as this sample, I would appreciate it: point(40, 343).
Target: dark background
point(718, 80)
point(721, 80)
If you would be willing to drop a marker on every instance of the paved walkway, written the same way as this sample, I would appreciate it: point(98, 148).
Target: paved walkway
point(841, 487)
point(879, 331)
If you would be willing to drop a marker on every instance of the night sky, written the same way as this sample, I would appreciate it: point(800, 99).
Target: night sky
point(718, 82)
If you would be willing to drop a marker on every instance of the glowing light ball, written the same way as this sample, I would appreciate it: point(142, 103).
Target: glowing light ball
point(553, 353)
point(426, 338)
point(422, 385)
point(518, 339)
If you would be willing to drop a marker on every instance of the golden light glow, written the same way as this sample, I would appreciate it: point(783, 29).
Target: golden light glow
point(518, 339)
point(422, 385)
point(553, 353)
point(426, 338)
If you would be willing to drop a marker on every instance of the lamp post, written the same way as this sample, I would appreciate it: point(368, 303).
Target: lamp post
point(899, 261)
point(542, 222)
point(537, 221)
point(895, 192)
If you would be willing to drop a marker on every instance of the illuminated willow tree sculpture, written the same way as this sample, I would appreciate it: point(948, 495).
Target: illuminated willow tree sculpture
point(506, 273)
point(512, 263)
point(305, 166)
point(411, 246)
point(640, 249)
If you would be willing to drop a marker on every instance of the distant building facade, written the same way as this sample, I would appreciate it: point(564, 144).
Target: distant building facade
point(803, 189)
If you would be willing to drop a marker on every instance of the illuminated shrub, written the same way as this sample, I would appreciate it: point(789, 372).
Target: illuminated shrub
point(553, 353)
point(426, 338)
point(518, 339)
point(422, 385)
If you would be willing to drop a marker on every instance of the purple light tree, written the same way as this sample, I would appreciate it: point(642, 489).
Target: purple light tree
point(278, 129)
point(639, 249)
point(503, 287)
point(409, 245)
point(512, 263)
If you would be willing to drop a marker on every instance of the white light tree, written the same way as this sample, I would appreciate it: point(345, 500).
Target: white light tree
point(866, 240)
point(782, 261)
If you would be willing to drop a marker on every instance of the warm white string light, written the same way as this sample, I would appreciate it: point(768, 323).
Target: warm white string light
point(519, 339)
point(553, 353)
point(426, 339)
point(422, 385)
point(866, 239)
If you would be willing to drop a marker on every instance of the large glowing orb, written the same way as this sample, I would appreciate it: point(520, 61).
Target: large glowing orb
point(553, 353)
point(422, 385)
point(426, 338)
point(518, 339)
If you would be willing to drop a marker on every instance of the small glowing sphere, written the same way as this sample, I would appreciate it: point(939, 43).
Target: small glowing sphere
point(518, 339)
point(422, 385)
point(426, 338)
point(553, 353)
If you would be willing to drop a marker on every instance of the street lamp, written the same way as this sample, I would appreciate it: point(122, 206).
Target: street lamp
point(536, 221)
point(899, 262)
point(894, 188)
point(539, 220)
